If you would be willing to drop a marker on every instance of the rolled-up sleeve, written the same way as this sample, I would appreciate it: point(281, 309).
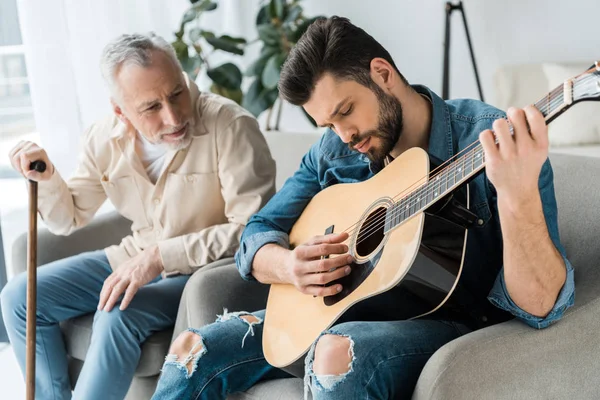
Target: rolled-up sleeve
point(66, 206)
point(499, 295)
point(273, 223)
point(245, 255)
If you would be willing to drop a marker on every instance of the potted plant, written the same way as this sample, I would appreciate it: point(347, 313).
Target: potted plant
point(279, 24)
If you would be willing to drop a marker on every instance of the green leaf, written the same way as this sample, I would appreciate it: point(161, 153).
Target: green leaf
point(238, 40)
point(205, 5)
point(222, 43)
point(189, 16)
point(207, 34)
point(227, 75)
point(259, 99)
point(191, 66)
point(235, 95)
point(269, 34)
point(257, 67)
point(195, 34)
point(270, 75)
point(263, 15)
point(281, 9)
point(197, 9)
point(293, 13)
point(272, 9)
point(271, 96)
point(302, 28)
point(181, 49)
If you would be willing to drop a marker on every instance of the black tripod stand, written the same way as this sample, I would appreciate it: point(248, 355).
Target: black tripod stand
point(446, 84)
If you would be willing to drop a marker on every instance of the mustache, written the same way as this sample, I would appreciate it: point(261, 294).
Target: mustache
point(358, 138)
point(173, 130)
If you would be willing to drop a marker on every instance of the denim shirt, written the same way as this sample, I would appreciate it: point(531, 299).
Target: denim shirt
point(455, 125)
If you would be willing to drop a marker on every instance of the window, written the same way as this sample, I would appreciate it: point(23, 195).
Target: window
point(16, 113)
point(16, 123)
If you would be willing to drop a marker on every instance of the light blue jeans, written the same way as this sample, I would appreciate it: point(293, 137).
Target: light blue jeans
point(387, 359)
point(69, 288)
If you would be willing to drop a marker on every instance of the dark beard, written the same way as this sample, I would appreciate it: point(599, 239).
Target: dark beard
point(389, 127)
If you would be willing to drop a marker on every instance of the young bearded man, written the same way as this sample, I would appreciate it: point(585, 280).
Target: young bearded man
point(187, 168)
point(349, 83)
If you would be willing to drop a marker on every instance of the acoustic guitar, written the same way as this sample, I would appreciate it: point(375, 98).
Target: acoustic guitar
point(407, 230)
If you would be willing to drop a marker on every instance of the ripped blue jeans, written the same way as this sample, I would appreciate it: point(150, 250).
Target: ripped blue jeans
point(385, 360)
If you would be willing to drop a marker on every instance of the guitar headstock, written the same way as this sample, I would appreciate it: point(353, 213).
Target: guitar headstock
point(586, 86)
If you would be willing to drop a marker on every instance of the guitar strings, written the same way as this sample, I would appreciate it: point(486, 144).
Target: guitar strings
point(555, 102)
point(471, 149)
point(372, 225)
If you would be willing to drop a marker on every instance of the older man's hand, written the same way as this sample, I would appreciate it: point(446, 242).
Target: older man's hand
point(23, 154)
point(129, 277)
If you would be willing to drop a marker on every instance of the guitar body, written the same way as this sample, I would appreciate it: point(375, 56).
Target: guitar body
point(422, 258)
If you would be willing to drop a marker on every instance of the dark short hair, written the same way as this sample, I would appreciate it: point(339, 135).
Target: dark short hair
point(330, 45)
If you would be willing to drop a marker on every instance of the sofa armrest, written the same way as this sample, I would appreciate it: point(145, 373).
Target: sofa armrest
point(512, 360)
point(105, 230)
point(213, 288)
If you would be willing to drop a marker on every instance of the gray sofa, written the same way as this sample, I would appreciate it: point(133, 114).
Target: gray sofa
point(506, 361)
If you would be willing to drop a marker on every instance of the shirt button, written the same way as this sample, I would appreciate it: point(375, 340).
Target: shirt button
point(190, 178)
point(110, 184)
point(157, 231)
point(479, 222)
point(484, 318)
point(157, 201)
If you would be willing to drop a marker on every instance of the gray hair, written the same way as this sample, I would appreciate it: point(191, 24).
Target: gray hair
point(132, 49)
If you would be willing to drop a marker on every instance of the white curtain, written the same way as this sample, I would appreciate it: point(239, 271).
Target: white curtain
point(63, 41)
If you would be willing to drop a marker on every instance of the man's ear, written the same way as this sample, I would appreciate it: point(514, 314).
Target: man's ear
point(119, 112)
point(383, 73)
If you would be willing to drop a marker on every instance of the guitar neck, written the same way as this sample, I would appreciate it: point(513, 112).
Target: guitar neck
point(469, 162)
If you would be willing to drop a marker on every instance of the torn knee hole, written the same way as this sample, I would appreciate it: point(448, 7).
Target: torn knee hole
point(251, 319)
point(333, 355)
point(185, 342)
point(243, 316)
point(186, 350)
point(328, 362)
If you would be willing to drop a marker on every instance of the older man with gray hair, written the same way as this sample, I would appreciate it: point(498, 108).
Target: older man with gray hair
point(187, 168)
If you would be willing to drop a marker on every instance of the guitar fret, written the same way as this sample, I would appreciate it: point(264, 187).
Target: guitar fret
point(411, 206)
point(397, 215)
point(468, 164)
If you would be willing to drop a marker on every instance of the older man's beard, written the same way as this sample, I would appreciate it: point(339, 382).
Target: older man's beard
point(180, 144)
point(389, 127)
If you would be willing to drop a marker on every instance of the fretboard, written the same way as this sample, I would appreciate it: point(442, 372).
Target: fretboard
point(465, 165)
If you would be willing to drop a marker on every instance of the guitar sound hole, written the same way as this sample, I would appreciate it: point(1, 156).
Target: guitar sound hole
point(371, 232)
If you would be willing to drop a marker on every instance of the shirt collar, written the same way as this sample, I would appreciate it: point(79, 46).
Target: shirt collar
point(441, 142)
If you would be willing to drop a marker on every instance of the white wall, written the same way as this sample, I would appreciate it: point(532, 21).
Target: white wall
point(63, 42)
point(64, 39)
point(502, 32)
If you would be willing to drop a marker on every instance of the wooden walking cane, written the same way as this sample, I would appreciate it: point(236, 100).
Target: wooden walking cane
point(39, 166)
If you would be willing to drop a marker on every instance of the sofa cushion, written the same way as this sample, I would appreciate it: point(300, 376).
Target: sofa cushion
point(520, 85)
point(579, 125)
point(78, 334)
point(287, 149)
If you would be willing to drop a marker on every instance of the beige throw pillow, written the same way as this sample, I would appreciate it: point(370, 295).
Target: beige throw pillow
point(579, 125)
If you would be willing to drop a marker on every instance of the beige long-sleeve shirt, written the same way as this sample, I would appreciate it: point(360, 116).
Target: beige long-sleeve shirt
point(200, 203)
